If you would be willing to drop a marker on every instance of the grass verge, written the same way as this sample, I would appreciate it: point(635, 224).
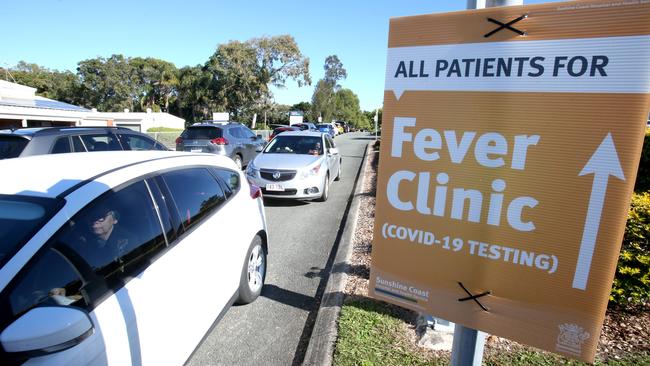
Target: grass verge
point(369, 334)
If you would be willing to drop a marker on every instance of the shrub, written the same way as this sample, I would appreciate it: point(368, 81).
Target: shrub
point(164, 129)
point(643, 176)
point(632, 281)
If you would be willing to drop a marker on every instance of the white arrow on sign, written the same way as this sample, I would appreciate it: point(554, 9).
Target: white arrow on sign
point(603, 163)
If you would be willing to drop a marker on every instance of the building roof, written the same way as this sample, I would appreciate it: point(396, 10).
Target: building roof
point(42, 103)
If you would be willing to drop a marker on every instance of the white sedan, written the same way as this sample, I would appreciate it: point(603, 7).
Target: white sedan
point(298, 165)
point(123, 258)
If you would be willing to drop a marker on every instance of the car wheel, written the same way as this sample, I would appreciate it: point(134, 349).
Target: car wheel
point(338, 175)
point(326, 189)
point(238, 161)
point(253, 274)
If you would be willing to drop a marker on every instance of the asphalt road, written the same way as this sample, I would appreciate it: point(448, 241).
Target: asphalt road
point(275, 329)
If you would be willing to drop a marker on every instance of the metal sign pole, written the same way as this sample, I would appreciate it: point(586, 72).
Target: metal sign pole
point(468, 345)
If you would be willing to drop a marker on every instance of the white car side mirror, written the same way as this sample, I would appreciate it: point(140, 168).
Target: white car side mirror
point(47, 330)
point(333, 151)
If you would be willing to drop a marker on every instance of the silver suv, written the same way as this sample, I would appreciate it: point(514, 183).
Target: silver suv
point(230, 139)
point(56, 140)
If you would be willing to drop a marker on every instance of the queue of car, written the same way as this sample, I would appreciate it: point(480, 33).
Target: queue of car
point(86, 239)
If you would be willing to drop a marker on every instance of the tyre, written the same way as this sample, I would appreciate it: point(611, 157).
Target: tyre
point(253, 273)
point(238, 161)
point(326, 189)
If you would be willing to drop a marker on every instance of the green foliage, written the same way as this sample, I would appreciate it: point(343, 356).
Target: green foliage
point(241, 72)
point(108, 84)
point(367, 336)
point(193, 102)
point(334, 70)
point(643, 175)
point(305, 108)
point(157, 80)
point(632, 282)
point(322, 101)
point(236, 79)
point(164, 129)
point(53, 84)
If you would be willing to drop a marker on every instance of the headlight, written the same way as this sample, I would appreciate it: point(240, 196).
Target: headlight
point(310, 172)
point(251, 170)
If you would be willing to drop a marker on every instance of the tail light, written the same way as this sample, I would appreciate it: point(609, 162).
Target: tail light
point(255, 191)
point(219, 141)
point(179, 140)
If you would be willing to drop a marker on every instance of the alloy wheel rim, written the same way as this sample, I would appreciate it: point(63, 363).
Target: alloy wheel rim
point(256, 267)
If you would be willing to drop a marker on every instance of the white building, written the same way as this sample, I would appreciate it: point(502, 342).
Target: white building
point(21, 107)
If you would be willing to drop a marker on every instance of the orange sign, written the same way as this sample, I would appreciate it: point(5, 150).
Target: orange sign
point(511, 140)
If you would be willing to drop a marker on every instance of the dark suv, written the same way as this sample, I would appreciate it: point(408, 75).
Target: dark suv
point(57, 140)
point(230, 139)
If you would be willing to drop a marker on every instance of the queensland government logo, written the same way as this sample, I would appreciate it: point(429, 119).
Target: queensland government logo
point(571, 338)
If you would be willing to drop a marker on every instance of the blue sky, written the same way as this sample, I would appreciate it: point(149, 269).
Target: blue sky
point(59, 33)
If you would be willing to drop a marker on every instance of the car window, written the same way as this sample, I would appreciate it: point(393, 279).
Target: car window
point(229, 178)
point(328, 142)
point(247, 132)
point(101, 142)
point(117, 235)
point(11, 146)
point(49, 279)
point(137, 142)
point(78, 144)
point(203, 133)
point(20, 218)
point(236, 132)
point(61, 146)
point(196, 193)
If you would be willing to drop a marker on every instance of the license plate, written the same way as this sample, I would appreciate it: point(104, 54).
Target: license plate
point(196, 150)
point(274, 187)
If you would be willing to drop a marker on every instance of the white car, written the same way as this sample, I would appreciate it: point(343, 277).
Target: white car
point(123, 258)
point(298, 165)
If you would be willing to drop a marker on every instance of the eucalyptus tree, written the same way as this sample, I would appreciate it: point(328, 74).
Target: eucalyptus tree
point(242, 72)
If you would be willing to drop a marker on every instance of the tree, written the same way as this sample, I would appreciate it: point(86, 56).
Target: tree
point(323, 101)
point(279, 59)
point(51, 84)
point(159, 82)
point(109, 84)
point(193, 101)
point(241, 72)
point(347, 109)
point(334, 70)
point(305, 108)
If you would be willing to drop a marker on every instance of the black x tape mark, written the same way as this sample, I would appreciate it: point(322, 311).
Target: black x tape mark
point(507, 26)
point(474, 297)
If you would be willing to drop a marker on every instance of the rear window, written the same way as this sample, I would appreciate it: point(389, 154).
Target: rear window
point(11, 146)
point(20, 218)
point(203, 133)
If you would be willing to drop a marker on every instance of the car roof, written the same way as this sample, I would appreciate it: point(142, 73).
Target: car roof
point(218, 124)
point(31, 131)
point(302, 133)
point(52, 175)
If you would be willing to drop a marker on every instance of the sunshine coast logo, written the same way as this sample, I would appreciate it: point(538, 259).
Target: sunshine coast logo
point(571, 338)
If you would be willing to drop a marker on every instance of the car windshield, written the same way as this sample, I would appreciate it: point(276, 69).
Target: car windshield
point(323, 126)
point(11, 146)
point(307, 145)
point(203, 133)
point(20, 218)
